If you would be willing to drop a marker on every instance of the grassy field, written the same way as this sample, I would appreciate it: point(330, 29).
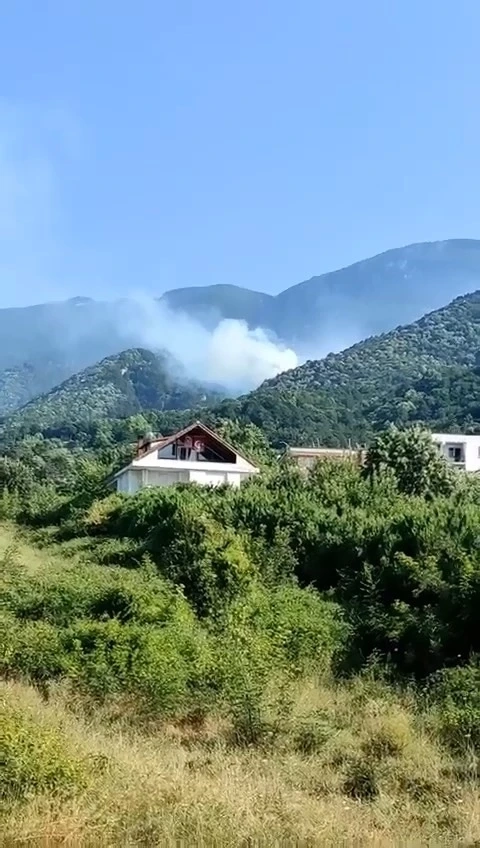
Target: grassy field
point(352, 763)
point(354, 770)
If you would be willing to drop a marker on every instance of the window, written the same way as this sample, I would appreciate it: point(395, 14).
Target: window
point(455, 454)
point(478, 452)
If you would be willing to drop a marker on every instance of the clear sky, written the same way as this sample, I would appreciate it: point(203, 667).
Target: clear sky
point(152, 144)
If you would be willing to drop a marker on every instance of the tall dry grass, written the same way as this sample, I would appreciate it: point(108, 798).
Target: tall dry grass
point(353, 765)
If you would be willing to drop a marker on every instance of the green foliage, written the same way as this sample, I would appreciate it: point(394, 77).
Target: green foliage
point(31, 650)
point(35, 757)
point(113, 633)
point(116, 387)
point(361, 782)
point(398, 547)
point(456, 696)
point(413, 459)
point(425, 372)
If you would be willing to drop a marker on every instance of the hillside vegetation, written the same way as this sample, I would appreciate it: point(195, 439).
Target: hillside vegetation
point(326, 312)
point(291, 662)
point(116, 387)
point(22, 382)
point(423, 372)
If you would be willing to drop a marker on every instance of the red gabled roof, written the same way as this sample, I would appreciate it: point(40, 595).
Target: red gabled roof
point(164, 441)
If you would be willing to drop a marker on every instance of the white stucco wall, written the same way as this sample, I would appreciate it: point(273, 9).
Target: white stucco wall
point(153, 460)
point(168, 473)
point(470, 444)
point(214, 478)
point(129, 481)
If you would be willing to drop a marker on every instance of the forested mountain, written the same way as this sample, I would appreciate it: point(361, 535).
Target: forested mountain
point(117, 387)
point(344, 306)
point(425, 371)
point(50, 342)
point(20, 383)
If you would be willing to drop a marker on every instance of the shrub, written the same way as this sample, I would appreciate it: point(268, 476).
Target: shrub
point(456, 698)
point(158, 666)
point(387, 735)
point(102, 514)
point(361, 781)
point(264, 640)
point(127, 553)
point(33, 650)
point(35, 757)
point(311, 733)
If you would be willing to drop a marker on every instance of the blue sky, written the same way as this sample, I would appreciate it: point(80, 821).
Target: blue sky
point(150, 145)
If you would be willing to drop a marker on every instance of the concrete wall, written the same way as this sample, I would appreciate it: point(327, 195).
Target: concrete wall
point(469, 444)
point(130, 481)
point(134, 479)
point(216, 478)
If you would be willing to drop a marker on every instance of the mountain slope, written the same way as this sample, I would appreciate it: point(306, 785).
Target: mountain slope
point(377, 294)
point(22, 382)
point(209, 304)
point(446, 401)
point(346, 395)
point(116, 387)
point(325, 313)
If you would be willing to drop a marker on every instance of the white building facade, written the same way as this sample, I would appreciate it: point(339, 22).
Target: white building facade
point(193, 455)
point(460, 451)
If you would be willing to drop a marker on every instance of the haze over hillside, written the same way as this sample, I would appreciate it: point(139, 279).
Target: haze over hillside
point(116, 387)
point(232, 335)
point(426, 371)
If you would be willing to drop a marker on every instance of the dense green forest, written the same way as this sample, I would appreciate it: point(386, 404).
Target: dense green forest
point(425, 372)
point(47, 343)
point(117, 387)
point(296, 657)
point(312, 635)
point(20, 383)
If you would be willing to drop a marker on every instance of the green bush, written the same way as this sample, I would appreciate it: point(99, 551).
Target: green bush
point(33, 650)
point(361, 781)
point(456, 697)
point(264, 641)
point(102, 513)
point(60, 597)
point(35, 757)
point(312, 732)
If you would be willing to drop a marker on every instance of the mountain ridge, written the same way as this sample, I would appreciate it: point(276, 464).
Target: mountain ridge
point(425, 372)
point(118, 386)
point(347, 395)
point(47, 343)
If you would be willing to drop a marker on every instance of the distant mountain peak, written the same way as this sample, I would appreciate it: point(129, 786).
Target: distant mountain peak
point(80, 301)
point(327, 313)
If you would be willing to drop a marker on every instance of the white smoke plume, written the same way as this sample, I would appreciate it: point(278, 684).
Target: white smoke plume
point(231, 355)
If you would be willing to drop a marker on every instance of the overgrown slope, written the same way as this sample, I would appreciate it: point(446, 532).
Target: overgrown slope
point(327, 312)
point(20, 383)
point(116, 387)
point(424, 371)
point(292, 662)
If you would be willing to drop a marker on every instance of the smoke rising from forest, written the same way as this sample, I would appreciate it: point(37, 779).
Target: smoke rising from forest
point(231, 354)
